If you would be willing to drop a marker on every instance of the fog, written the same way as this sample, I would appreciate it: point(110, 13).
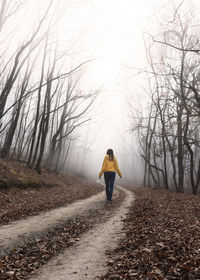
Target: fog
point(111, 38)
point(113, 33)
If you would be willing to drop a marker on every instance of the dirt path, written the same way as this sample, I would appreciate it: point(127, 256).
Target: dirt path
point(19, 232)
point(87, 259)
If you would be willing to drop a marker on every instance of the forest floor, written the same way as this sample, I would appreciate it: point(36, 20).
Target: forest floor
point(24, 192)
point(61, 227)
point(162, 239)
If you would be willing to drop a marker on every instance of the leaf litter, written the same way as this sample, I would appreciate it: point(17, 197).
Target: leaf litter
point(26, 260)
point(17, 203)
point(162, 238)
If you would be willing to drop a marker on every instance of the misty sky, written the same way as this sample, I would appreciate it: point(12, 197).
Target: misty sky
point(112, 33)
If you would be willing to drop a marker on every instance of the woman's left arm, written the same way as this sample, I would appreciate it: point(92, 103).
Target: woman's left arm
point(103, 168)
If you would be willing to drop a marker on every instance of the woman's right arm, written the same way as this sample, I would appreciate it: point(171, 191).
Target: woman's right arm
point(117, 168)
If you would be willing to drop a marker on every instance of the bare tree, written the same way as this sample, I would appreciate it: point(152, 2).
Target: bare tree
point(21, 56)
point(170, 133)
point(8, 9)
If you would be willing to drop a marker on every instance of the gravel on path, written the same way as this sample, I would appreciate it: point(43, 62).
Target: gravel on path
point(87, 259)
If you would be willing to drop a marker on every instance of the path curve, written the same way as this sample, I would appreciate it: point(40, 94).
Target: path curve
point(87, 259)
point(19, 232)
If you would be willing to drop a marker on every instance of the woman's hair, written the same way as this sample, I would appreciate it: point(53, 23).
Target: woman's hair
point(111, 154)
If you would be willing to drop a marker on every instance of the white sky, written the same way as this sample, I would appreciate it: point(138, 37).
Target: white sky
point(111, 32)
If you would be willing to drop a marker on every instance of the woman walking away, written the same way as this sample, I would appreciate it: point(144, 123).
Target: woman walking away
point(109, 168)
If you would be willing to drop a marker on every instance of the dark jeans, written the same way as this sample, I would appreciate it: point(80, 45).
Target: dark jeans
point(109, 180)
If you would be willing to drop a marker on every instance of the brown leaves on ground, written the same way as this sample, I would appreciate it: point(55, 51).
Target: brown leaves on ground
point(25, 261)
point(162, 238)
point(37, 192)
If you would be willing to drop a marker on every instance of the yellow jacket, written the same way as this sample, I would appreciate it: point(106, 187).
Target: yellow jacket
point(110, 165)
